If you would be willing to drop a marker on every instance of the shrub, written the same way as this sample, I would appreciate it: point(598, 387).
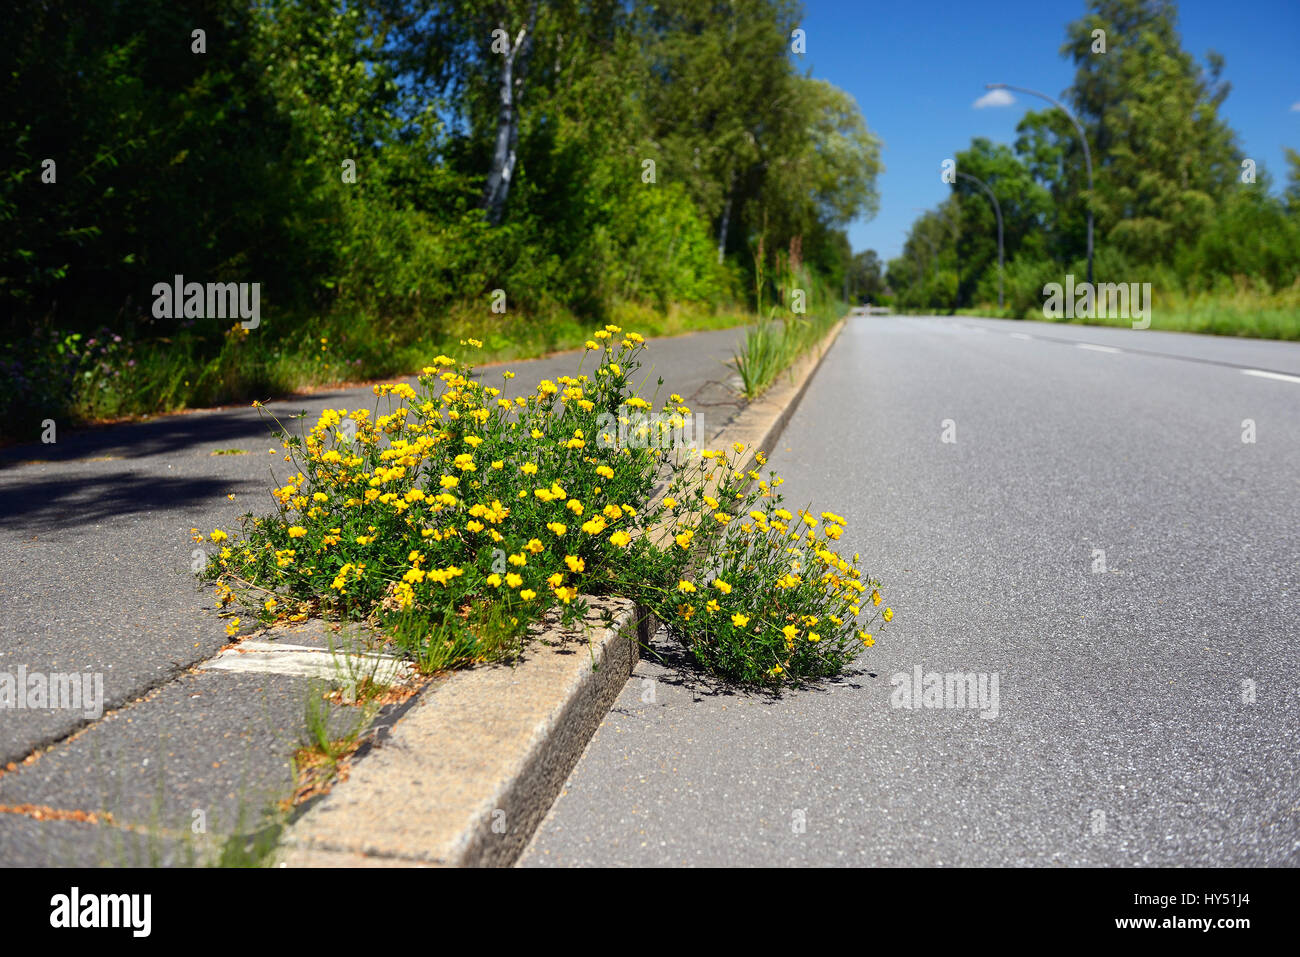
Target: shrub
point(454, 516)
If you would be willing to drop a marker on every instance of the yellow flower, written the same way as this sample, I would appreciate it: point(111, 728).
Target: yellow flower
point(620, 538)
point(518, 559)
point(604, 471)
point(297, 531)
point(494, 580)
point(684, 539)
point(513, 580)
point(875, 597)
point(670, 502)
point(535, 546)
point(594, 526)
point(888, 614)
point(721, 586)
point(528, 594)
point(232, 627)
point(866, 639)
point(219, 536)
point(558, 528)
point(547, 387)
point(528, 468)
point(713, 605)
point(575, 563)
point(685, 586)
point(574, 506)
point(739, 620)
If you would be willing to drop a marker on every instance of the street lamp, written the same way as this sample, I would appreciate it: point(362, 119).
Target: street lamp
point(997, 209)
point(1087, 156)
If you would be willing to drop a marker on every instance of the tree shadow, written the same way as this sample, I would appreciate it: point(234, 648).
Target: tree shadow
point(180, 432)
point(44, 504)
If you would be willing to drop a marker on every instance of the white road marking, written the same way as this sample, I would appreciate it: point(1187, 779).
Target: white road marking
point(1091, 347)
point(274, 658)
point(1271, 375)
point(1020, 335)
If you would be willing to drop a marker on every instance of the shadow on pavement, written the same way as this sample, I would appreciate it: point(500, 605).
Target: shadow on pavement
point(45, 504)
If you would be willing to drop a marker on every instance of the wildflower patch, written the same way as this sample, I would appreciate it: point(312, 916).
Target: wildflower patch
point(453, 517)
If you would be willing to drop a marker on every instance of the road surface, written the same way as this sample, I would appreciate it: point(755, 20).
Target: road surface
point(1098, 538)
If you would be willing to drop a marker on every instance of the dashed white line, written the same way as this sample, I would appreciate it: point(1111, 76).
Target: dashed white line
point(1271, 375)
point(1020, 335)
point(1091, 347)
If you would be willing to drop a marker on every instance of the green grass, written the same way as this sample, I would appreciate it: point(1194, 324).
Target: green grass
point(286, 355)
point(1243, 312)
point(775, 343)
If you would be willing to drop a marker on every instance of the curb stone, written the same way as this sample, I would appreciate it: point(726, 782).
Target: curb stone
point(468, 774)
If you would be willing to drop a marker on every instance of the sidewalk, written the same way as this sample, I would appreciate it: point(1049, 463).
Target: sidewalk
point(95, 577)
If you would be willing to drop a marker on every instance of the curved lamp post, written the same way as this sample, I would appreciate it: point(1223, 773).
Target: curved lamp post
point(1087, 156)
point(997, 209)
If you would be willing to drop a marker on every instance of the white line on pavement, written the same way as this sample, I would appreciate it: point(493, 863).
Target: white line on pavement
point(264, 657)
point(1271, 375)
point(1020, 335)
point(1090, 346)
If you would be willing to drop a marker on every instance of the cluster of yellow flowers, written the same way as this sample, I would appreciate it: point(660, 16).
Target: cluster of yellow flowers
point(455, 493)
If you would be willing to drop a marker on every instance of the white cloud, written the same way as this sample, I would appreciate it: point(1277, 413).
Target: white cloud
point(1295, 107)
point(994, 98)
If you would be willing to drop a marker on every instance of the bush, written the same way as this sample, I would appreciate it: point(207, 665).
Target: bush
point(455, 516)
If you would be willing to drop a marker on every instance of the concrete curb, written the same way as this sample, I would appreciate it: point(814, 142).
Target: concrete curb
point(471, 770)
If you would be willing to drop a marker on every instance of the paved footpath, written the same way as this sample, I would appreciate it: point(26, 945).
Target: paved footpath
point(1098, 537)
point(95, 576)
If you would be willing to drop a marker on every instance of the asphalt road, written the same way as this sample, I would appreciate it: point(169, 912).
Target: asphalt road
point(95, 576)
point(1098, 538)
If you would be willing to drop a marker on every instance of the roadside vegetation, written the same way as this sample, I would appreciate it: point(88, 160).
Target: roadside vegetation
point(1177, 202)
point(355, 162)
point(453, 517)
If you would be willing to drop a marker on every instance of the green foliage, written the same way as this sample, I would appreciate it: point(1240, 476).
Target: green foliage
point(1169, 202)
point(235, 165)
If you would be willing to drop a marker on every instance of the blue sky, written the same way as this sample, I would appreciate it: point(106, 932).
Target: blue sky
point(916, 67)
